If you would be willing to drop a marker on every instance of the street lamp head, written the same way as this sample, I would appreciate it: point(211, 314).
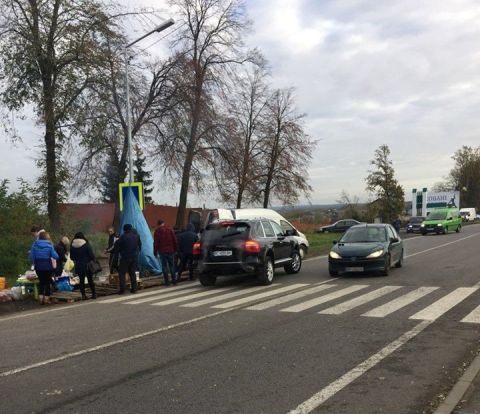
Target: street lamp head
point(165, 25)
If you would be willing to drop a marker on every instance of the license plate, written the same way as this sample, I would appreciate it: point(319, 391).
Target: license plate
point(354, 269)
point(222, 253)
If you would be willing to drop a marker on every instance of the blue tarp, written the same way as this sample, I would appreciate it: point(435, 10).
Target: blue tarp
point(132, 214)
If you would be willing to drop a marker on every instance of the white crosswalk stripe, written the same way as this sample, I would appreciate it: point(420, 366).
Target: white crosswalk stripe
point(192, 296)
point(323, 299)
point(164, 295)
point(288, 298)
point(473, 317)
point(252, 298)
point(240, 292)
point(152, 292)
point(361, 300)
point(443, 305)
point(398, 303)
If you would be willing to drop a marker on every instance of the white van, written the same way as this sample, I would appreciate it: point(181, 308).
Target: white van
point(468, 213)
point(251, 213)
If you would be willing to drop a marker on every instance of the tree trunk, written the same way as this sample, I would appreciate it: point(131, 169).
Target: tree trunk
point(239, 198)
point(266, 193)
point(182, 205)
point(51, 162)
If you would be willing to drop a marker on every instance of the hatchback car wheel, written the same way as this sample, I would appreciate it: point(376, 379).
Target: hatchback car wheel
point(388, 264)
point(295, 265)
point(267, 272)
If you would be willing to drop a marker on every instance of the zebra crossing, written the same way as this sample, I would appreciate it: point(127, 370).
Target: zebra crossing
point(328, 298)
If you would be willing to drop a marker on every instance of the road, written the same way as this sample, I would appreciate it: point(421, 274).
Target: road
point(308, 343)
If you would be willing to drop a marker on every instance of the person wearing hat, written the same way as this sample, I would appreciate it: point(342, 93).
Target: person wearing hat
point(128, 246)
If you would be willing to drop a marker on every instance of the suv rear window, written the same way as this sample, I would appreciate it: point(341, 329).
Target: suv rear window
point(226, 231)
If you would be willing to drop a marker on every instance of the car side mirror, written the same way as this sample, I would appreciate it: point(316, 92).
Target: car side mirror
point(289, 233)
point(450, 218)
point(334, 242)
point(394, 240)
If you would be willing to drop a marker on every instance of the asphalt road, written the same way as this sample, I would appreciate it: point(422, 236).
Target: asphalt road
point(308, 343)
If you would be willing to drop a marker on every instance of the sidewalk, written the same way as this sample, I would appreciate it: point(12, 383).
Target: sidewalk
point(464, 398)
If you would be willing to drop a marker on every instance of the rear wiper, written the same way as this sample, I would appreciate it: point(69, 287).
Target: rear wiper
point(231, 234)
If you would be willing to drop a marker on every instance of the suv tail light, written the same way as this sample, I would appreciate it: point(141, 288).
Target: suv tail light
point(251, 246)
point(197, 249)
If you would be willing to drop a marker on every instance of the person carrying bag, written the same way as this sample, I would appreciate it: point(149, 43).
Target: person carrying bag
point(82, 254)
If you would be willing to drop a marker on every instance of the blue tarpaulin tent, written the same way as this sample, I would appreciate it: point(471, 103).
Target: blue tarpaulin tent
point(132, 214)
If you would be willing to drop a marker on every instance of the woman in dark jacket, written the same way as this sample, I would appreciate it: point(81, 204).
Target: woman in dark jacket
point(62, 250)
point(81, 253)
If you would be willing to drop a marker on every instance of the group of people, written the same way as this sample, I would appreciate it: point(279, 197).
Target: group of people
point(174, 250)
point(49, 260)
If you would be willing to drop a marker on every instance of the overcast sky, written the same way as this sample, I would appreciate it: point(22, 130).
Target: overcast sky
point(405, 74)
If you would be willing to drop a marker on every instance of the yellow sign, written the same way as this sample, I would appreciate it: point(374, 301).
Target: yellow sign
point(137, 190)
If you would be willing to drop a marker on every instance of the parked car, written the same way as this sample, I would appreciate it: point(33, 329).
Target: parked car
point(414, 224)
point(441, 221)
point(366, 248)
point(245, 246)
point(340, 226)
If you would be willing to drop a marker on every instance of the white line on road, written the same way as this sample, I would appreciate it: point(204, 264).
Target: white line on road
point(330, 390)
point(443, 305)
point(260, 296)
point(288, 298)
point(323, 299)
point(111, 344)
point(442, 245)
point(143, 294)
point(473, 317)
point(399, 303)
point(164, 295)
point(192, 296)
point(225, 296)
point(361, 300)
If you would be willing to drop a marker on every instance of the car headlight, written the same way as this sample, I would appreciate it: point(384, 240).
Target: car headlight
point(373, 255)
point(335, 255)
point(422, 225)
point(439, 224)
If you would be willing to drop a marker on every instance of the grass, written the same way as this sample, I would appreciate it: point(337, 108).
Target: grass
point(321, 243)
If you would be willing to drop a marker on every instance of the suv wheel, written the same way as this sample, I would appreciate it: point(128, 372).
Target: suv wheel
point(295, 265)
point(265, 276)
point(458, 228)
point(207, 280)
point(303, 252)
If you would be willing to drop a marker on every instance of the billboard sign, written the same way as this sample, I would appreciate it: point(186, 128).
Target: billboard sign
point(443, 199)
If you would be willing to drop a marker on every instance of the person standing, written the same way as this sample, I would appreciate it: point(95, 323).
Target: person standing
point(42, 255)
point(113, 259)
point(61, 248)
point(186, 239)
point(128, 246)
point(165, 246)
point(81, 253)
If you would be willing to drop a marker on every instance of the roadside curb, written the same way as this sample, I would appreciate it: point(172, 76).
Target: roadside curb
point(460, 388)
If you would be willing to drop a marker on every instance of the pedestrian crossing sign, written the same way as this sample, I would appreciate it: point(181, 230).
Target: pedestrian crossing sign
point(137, 190)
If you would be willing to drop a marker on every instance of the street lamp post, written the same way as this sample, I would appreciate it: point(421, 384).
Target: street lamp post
point(158, 29)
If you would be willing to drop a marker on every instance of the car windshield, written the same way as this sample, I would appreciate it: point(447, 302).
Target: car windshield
point(364, 235)
point(437, 215)
point(416, 220)
point(217, 232)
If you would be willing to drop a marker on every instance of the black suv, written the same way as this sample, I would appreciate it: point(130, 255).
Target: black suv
point(245, 246)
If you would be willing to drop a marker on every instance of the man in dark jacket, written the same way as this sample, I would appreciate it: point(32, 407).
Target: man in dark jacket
point(113, 260)
point(185, 244)
point(165, 246)
point(128, 246)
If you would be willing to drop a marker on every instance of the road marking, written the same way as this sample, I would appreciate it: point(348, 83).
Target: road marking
point(322, 299)
point(443, 305)
point(330, 390)
point(442, 245)
point(192, 296)
point(399, 303)
point(473, 317)
point(112, 343)
point(288, 298)
point(311, 259)
point(360, 300)
point(143, 294)
point(226, 296)
point(61, 308)
point(259, 296)
point(164, 295)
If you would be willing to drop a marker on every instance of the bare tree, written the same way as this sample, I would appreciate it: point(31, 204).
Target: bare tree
point(238, 166)
point(50, 51)
point(287, 151)
point(209, 44)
